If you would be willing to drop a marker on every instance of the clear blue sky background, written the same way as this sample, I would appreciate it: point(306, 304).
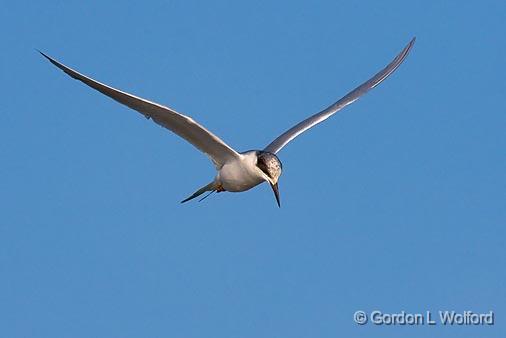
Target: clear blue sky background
point(397, 203)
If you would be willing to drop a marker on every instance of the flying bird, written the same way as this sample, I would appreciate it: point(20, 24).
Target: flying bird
point(236, 171)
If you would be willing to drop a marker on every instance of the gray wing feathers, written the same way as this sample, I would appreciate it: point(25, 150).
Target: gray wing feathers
point(351, 97)
point(182, 125)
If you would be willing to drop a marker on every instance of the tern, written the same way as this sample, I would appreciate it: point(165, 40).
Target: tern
point(236, 171)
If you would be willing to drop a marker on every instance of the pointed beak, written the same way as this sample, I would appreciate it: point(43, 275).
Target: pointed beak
point(276, 192)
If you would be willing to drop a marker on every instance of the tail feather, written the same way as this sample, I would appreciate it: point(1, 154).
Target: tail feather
point(210, 187)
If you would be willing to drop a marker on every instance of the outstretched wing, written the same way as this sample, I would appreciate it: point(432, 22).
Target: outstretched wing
point(182, 125)
point(351, 97)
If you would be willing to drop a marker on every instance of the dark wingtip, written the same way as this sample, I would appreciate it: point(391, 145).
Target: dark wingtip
point(409, 45)
point(50, 59)
point(412, 42)
point(44, 55)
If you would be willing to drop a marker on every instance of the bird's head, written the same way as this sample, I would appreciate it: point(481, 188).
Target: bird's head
point(271, 167)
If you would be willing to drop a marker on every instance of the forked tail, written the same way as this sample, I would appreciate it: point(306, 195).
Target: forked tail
point(210, 187)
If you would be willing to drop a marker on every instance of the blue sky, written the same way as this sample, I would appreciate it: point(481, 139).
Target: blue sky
point(396, 203)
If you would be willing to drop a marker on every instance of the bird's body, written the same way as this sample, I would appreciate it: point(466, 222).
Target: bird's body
point(235, 171)
point(247, 171)
point(240, 174)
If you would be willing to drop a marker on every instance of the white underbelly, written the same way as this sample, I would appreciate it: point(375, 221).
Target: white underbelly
point(238, 176)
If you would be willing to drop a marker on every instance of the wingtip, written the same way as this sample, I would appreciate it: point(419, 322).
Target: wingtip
point(410, 44)
point(41, 53)
point(404, 53)
point(50, 59)
point(53, 61)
